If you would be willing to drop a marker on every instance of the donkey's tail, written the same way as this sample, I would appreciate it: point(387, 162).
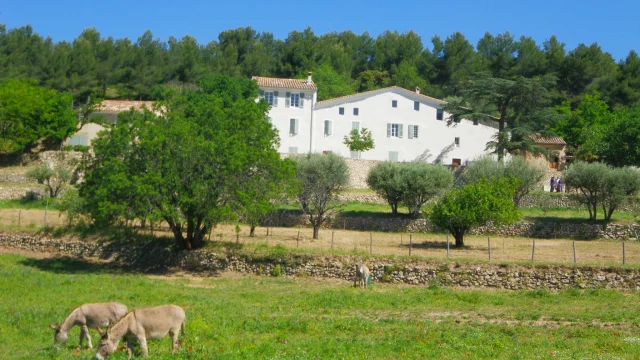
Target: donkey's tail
point(183, 326)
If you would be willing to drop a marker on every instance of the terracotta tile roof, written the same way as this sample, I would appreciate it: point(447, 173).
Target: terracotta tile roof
point(284, 83)
point(381, 90)
point(122, 105)
point(547, 140)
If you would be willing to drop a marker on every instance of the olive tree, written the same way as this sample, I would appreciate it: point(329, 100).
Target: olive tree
point(475, 204)
point(618, 186)
point(54, 178)
point(589, 181)
point(321, 178)
point(384, 178)
point(421, 182)
point(529, 174)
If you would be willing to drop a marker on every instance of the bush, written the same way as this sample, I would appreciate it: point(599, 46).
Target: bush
point(384, 179)
point(55, 179)
point(422, 182)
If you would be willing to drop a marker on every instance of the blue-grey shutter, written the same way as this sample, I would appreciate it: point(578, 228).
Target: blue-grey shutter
point(292, 126)
point(301, 100)
point(410, 134)
point(400, 130)
point(297, 126)
point(275, 98)
point(388, 130)
point(287, 99)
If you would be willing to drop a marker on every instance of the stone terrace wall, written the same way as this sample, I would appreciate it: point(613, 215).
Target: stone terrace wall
point(358, 171)
point(487, 275)
point(20, 193)
point(543, 230)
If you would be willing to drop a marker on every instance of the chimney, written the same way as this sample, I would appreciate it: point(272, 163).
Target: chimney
point(417, 90)
point(309, 81)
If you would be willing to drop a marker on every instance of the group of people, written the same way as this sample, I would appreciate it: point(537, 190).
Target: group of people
point(556, 185)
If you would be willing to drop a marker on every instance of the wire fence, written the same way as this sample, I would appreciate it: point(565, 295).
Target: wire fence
point(416, 245)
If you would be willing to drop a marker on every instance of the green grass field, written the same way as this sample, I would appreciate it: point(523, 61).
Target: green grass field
point(249, 317)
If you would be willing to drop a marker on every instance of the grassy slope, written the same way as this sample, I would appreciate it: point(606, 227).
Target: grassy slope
point(260, 317)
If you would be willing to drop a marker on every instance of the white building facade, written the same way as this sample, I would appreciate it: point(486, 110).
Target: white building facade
point(405, 125)
point(292, 102)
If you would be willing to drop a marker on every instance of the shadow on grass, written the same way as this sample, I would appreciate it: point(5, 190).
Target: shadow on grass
point(564, 220)
point(69, 265)
point(434, 245)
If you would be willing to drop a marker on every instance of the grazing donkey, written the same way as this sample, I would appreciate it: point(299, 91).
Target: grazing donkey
point(362, 275)
point(88, 316)
point(140, 324)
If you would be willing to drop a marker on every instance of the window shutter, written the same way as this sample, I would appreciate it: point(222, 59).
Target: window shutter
point(275, 98)
point(388, 130)
point(287, 99)
point(326, 127)
point(410, 134)
point(297, 122)
point(415, 131)
point(355, 125)
point(301, 100)
point(400, 130)
point(330, 127)
point(292, 126)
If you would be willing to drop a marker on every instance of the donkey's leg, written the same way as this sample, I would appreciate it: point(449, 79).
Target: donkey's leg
point(143, 345)
point(88, 335)
point(175, 343)
point(82, 330)
point(130, 343)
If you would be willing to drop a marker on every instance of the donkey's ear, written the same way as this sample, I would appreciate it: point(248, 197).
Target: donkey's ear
point(53, 327)
point(99, 331)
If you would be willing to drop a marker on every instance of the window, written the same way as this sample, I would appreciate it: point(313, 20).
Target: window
point(355, 125)
point(456, 162)
point(439, 114)
point(79, 140)
point(293, 150)
point(416, 105)
point(355, 154)
point(326, 152)
point(394, 130)
point(356, 111)
point(270, 96)
point(341, 111)
point(327, 127)
point(394, 103)
point(293, 126)
point(413, 132)
point(294, 100)
point(457, 141)
point(393, 156)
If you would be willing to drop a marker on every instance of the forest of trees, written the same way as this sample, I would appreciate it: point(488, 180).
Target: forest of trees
point(581, 94)
point(343, 63)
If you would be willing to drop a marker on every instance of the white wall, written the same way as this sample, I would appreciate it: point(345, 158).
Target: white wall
point(281, 115)
point(375, 111)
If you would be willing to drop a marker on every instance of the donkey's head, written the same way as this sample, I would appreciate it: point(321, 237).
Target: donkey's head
point(59, 336)
point(107, 344)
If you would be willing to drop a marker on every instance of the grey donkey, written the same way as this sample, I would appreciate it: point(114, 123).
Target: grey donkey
point(362, 274)
point(143, 324)
point(88, 316)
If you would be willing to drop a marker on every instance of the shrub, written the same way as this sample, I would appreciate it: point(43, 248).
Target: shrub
point(422, 182)
point(384, 179)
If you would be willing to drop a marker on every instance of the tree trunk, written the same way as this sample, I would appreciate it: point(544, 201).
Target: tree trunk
point(316, 230)
point(459, 236)
point(394, 208)
point(252, 231)
point(181, 242)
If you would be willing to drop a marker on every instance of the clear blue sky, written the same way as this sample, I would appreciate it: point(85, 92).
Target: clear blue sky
point(613, 24)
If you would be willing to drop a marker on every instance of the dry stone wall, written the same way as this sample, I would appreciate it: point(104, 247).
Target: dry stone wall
point(440, 273)
point(13, 193)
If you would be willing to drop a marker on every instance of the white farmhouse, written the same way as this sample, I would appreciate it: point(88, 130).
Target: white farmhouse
point(292, 102)
point(405, 125)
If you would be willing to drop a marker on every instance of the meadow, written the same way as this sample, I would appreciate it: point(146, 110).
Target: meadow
point(232, 316)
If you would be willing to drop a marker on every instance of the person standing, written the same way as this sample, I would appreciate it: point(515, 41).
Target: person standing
point(559, 185)
point(552, 183)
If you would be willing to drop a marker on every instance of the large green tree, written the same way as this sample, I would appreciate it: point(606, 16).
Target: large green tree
point(30, 113)
point(519, 106)
point(475, 204)
point(189, 165)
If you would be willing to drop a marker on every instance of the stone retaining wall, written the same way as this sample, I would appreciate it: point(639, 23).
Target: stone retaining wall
point(20, 193)
point(433, 273)
point(543, 230)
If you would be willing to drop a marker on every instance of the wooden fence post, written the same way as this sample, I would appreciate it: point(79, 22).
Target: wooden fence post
point(400, 239)
point(574, 252)
point(46, 209)
point(624, 254)
point(370, 243)
point(410, 243)
point(447, 246)
point(298, 240)
point(489, 244)
point(332, 233)
point(533, 250)
point(19, 216)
